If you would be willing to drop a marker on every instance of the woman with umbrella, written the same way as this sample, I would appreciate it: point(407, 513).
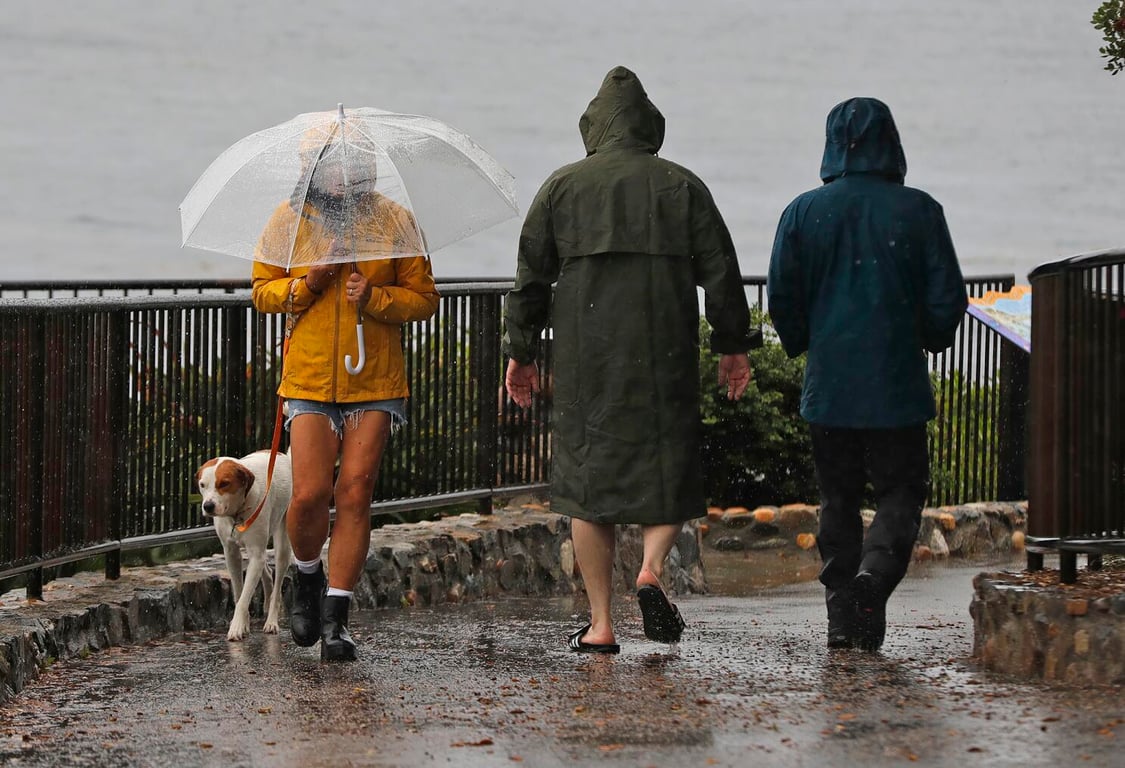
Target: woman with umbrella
point(329, 230)
point(347, 243)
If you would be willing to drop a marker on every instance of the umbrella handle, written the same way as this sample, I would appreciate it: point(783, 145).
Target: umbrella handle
point(354, 369)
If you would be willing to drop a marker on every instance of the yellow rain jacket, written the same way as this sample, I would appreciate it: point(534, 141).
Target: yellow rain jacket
point(403, 291)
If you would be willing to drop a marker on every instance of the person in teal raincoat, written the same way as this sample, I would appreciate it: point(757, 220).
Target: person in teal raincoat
point(864, 278)
point(624, 237)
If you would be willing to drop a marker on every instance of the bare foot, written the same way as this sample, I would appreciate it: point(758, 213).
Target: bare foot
point(602, 635)
point(647, 578)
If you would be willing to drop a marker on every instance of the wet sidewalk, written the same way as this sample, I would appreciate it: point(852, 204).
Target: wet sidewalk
point(492, 683)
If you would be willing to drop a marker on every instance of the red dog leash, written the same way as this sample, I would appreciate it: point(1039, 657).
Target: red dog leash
point(290, 322)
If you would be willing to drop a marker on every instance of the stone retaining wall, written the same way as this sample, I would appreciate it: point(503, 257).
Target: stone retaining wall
point(954, 531)
point(529, 552)
point(523, 550)
point(1037, 627)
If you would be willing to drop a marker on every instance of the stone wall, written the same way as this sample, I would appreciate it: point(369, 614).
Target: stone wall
point(1031, 625)
point(523, 550)
point(954, 531)
point(529, 552)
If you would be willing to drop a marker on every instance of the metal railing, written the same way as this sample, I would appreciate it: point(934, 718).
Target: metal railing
point(112, 394)
point(109, 403)
point(977, 444)
point(1076, 500)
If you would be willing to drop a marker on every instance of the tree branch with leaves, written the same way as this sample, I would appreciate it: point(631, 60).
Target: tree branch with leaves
point(1109, 19)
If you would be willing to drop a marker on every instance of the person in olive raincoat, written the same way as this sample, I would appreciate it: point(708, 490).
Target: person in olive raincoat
point(863, 277)
point(625, 237)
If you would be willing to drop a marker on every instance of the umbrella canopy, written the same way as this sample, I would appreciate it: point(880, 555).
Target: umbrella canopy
point(390, 184)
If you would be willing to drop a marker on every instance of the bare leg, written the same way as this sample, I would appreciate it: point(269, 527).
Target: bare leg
point(658, 542)
point(359, 468)
point(313, 446)
point(594, 547)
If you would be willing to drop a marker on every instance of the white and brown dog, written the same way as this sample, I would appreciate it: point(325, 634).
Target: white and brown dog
point(232, 490)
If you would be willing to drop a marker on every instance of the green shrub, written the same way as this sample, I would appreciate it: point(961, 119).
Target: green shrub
point(757, 450)
point(962, 466)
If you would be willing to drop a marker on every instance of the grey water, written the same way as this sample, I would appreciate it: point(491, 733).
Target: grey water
point(109, 110)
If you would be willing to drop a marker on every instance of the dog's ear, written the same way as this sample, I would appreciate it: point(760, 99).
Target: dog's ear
point(246, 476)
point(199, 472)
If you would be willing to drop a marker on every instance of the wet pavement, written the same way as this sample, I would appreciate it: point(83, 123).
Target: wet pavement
point(493, 684)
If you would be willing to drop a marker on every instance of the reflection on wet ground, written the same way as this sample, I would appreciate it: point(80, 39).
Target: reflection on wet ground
point(493, 684)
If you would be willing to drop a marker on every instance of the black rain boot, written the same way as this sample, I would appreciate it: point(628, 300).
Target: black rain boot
point(842, 618)
point(335, 642)
point(871, 611)
point(304, 613)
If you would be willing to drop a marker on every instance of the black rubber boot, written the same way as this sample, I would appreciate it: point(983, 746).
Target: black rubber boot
point(871, 611)
point(304, 613)
point(842, 619)
point(335, 642)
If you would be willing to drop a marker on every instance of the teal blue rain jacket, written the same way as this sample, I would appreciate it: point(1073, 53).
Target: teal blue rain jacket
point(863, 276)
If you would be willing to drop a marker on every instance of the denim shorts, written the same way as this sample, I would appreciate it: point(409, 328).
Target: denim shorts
point(341, 414)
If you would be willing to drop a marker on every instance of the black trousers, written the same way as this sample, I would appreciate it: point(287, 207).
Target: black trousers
point(897, 463)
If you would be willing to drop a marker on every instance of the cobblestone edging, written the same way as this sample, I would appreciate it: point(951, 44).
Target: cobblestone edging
point(1059, 633)
point(519, 551)
point(954, 531)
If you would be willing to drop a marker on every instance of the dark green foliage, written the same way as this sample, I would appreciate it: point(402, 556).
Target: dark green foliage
point(756, 451)
point(961, 466)
point(1109, 19)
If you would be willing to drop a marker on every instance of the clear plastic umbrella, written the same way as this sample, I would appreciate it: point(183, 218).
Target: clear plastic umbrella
point(451, 187)
point(386, 184)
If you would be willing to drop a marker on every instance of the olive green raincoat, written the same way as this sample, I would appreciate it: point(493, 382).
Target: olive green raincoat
point(625, 237)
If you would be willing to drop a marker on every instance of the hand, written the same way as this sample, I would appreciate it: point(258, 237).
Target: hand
point(734, 372)
point(521, 380)
point(320, 277)
point(357, 289)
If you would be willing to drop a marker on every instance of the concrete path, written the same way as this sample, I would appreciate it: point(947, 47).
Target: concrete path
point(492, 684)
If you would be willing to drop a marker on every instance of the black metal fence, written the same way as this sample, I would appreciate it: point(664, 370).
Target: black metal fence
point(977, 441)
point(112, 394)
point(1076, 500)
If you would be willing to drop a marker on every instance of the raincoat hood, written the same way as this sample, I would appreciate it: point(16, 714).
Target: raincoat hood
point(861, 137)
point(621, 116)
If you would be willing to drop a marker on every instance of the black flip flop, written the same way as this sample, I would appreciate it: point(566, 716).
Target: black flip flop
point(663, 622)
point(575, 643)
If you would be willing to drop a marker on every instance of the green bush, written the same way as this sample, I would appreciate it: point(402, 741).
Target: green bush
point(757, 450)
point(962, 468)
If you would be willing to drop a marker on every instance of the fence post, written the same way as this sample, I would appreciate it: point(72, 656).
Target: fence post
point(1012, 427)
point(33, 403)
point(117, 388)
point(487, 364)
point(234, 380)
point(1047, 482)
